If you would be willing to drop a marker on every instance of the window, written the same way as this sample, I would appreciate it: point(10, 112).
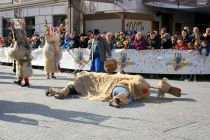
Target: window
point(30, 26)
point(6, 30)
point(58, 19)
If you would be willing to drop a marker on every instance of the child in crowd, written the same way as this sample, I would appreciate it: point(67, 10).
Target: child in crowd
point(180, 45)
point(190, 46)
point(203, 49)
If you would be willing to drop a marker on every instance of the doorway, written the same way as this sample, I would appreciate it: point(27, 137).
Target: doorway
point(167, 21)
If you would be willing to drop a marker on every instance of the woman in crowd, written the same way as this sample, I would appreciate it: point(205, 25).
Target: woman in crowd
point(139, 42)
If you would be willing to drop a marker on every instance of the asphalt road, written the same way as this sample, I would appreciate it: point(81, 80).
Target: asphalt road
point(27, 114)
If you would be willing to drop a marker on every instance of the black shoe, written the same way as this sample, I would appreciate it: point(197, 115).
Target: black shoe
point(53, 77)
point(25, 85)
point(18, 82)
point(47, 93)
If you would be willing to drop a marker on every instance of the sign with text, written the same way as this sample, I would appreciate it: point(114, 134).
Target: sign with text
point(143, 26)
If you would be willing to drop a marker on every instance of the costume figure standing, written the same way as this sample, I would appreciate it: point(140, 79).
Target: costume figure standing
point(52, 52)
point(21, 52)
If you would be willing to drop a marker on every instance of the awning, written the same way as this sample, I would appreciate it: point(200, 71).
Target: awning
point(177, 4)
point(107, 1)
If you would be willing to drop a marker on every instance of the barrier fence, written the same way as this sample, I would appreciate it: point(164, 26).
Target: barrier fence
point(132, 61)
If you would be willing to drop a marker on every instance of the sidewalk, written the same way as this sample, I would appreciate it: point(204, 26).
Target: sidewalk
point(27, 114)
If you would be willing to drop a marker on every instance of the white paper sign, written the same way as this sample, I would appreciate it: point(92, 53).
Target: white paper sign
point(132, 61)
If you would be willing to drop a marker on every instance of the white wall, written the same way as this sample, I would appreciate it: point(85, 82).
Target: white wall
point(110, 25)
point(134, 6)
point(41, 13)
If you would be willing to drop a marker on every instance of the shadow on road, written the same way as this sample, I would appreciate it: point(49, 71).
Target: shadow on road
point(9, 112)
point(6, 83)
point(7, 77)
point(40, 87)
point(153, 99)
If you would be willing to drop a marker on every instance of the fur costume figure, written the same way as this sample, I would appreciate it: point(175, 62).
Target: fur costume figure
point(52, 52)
point(21, 52)
point(164, 87)
point(99, 86)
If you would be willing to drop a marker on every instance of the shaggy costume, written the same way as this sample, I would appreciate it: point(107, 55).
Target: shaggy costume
point(21, 53)
point(52, 53)
point(99, 86)
point(164, 87)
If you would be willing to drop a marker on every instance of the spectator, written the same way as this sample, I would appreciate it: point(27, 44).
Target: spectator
point(109, 38)
point(1, 43)
point(190, 46)
point(35, 41)
point(119, 45)
point(184, 37)
point(153, 41)
point(139, 42)
point(62, 32)
point(166, 41)
point(174, 40)
point(71, 41)
point(89, 34)
point(83, 42)
point(128, 41)
point(42, 41)
point(162, 32)
point(203, 49)
point(195, 35)
point(180, 45)
point(187, 29)
point(206, 35)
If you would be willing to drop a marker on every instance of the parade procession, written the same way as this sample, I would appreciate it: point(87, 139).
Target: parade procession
point(100, 83)
point(104, 69)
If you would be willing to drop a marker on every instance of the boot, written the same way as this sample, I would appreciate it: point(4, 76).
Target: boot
point(25, 85)
point(52, 76)
point(26, 82)
point(18, 82)
point(48, 76)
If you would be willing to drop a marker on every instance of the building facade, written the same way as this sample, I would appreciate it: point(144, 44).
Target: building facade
point(107, 15)
point(147, 15)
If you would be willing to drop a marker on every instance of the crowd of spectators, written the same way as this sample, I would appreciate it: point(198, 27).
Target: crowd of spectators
point(129, 40)
point(36, 41)
point(154, 40)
